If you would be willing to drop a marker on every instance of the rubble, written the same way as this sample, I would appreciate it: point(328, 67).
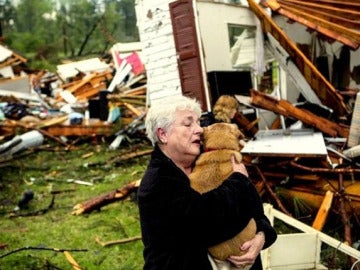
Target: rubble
point(83, 98)
point(97, 98)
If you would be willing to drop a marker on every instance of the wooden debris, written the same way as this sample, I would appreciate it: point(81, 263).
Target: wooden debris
point(40, 248)
point(13, 60)
point(343, 170)
point(93, 127)
point(270, 191)
point(323, 211)
point(115, 242)
point(133, 109)
point(105, 199)
point(89, 86)
point(41, 127)
point(318, 16)
point(249, 128)
point(71, 260)
point(53, 121)
point(141, 90)
point(285, 108)
point(343, 212)
point(131, 155)
point(324, 89)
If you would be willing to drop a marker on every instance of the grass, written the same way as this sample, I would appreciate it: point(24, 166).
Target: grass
point(38, 235)
point(41, 229)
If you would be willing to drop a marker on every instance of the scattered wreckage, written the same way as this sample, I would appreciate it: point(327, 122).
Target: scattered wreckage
point(75, 102)
point(307, 155)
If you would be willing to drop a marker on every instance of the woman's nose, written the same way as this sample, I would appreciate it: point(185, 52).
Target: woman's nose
point(199, 129)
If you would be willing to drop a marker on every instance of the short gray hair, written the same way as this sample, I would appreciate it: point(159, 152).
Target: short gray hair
point(162, 114)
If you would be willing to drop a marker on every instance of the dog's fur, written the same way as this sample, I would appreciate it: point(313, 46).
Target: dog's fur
point(221, 140)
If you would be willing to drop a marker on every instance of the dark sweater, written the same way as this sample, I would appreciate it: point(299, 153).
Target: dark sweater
point(178, 224)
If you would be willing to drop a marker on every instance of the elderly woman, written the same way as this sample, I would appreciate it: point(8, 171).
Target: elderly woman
point(179, 224)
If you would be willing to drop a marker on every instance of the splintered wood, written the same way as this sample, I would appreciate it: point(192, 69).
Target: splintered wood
point(105, 199)
point(285, 108)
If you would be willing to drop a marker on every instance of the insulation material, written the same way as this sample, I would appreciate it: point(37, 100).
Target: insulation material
point(69, 70)
point(4, 53)
point(354, 134)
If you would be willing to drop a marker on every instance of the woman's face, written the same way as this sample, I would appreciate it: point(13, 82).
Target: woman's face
point(184, 137)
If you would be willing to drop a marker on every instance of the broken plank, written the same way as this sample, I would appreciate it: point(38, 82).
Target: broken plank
point(115, 242)
point(105, 199)
point(323, 211)
point(325, 91)
point(339, 32)
point(53, 121)
point(285, 108)
point(136, 111)
point(71, 260)
point(94, 127)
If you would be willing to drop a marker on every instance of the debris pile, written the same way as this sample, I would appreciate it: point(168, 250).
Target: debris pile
point(316, 163)
point(92, 97)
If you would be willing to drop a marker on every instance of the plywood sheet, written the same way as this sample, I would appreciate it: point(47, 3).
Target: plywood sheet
point(286, 143)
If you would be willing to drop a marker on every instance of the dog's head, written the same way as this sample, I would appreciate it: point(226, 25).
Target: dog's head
point(225, 108)
point(222, 136)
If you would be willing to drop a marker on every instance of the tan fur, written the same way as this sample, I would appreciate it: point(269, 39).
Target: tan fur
point(221, 140)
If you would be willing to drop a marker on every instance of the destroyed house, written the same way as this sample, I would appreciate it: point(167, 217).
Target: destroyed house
point(283, 60)
point(205, 49)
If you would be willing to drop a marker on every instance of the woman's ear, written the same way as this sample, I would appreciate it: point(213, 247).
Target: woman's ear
point(161, 135)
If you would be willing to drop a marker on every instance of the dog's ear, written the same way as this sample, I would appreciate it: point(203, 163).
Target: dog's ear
point(236, 131)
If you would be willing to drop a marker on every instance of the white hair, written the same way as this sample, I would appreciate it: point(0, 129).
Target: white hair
point(162, 114)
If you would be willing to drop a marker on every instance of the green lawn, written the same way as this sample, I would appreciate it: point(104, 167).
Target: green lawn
point(44, 230)
point(35, 238)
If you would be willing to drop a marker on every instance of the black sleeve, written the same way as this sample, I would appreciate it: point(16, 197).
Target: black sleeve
point(262, 222)
point(227, 207)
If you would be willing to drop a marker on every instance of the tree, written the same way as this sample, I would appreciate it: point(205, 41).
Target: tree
point(7, 12)
point(45, 29)
point(33, 32)
point(90, 27)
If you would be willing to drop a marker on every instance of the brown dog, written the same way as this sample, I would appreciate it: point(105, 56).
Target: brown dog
point(221, 141)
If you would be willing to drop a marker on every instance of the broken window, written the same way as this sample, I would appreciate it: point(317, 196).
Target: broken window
point(242, 45)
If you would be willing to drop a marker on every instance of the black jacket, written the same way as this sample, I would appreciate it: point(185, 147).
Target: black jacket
point(178, 224)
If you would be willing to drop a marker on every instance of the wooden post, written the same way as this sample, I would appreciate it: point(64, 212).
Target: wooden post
point(71, 260)
point(323, 211)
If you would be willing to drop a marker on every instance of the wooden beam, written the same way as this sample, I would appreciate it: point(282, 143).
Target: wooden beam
point(94, 127)
point(311, 23)
point(344, 11)
point(285, 108)
point(88, 86)
point(341, 27)
point(324, 90)
point(98, 202)
point(323, 211)
point(348, 4)
point(71, 260)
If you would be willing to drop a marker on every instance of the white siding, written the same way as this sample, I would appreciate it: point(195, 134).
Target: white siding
point(214, 32)
point(159, 54)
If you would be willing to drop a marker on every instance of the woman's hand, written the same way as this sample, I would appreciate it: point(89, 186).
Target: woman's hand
point(239, 167)
point(252, 248)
